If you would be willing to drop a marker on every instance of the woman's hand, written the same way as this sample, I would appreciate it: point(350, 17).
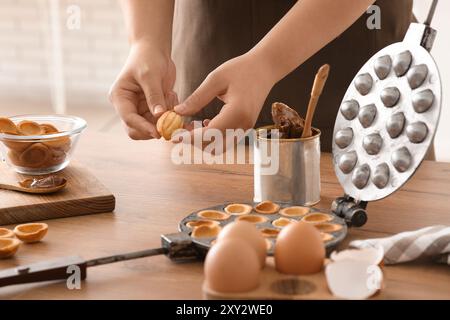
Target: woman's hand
point(144, 90)
point(242, 83)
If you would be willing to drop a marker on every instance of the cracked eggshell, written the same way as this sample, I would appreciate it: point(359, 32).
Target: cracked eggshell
point(299, 249)
point(247, 232)
point(370, 255)
point(232, 266)
point(353, 279)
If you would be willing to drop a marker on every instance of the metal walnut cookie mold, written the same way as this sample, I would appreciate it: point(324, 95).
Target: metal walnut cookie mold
point(392, 109)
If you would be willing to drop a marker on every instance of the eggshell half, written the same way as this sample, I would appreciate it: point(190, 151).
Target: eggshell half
point(353, 279)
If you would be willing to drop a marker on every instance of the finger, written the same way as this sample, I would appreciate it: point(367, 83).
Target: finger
point(171, 99)
point(127, 110)
point(154, 96)
point(204, 94)
point(137, 135)
point(231, 117)
point(149, 117)
point(175, 98)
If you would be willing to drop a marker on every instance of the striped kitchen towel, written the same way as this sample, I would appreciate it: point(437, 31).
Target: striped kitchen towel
point(431, 241)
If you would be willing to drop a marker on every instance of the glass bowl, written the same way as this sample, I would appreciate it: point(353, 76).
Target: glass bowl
point(46, 152)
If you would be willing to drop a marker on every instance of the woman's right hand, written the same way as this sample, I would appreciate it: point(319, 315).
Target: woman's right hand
point(143, 90)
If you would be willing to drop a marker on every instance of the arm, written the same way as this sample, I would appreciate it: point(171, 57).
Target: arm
point(243, 83)
point(149, 21)
point(304, 30)
point(144, 88)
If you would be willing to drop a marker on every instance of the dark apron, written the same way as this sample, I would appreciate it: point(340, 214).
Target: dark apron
point(210, 32)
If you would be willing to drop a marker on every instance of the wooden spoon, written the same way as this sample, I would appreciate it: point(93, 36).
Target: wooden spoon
point(319, 83)
point(31, 186)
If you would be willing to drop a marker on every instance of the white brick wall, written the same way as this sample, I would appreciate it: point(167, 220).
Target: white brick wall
point(92, 55)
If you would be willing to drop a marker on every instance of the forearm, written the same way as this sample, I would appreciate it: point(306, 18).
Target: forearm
point(304, 30)
point(150, 21)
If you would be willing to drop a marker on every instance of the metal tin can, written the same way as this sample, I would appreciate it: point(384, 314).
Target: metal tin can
point(287, 170)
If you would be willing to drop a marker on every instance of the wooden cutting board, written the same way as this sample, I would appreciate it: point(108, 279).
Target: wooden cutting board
point(84, 194)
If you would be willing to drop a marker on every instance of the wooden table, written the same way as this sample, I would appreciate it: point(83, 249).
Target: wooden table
point(153, 195)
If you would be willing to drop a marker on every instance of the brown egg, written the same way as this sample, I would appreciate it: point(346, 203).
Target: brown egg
point(232, 266)
point(299, 249)
point(247, 232)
